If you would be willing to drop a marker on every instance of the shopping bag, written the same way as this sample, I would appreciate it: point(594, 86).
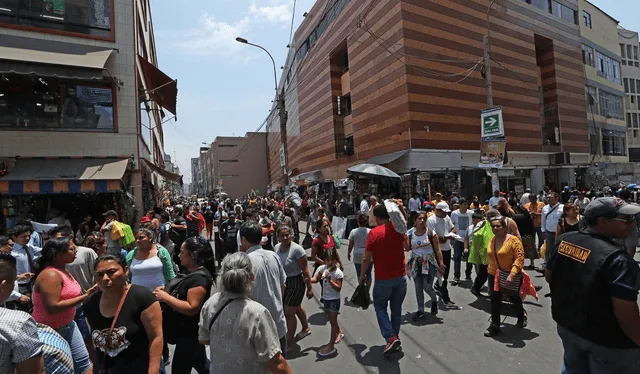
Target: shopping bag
point(361, 297)
point(396, 216)
point(338, 225)
point(307, 241)
point(543, 250)
point(117, 231)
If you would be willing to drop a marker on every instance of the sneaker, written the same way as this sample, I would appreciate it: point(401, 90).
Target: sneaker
point(434, 307)
point(522, 322)
point(468, 278)
point(492, 331)
point(456, 281)
point(451, 305)
point(393, 345)
point(417, 316)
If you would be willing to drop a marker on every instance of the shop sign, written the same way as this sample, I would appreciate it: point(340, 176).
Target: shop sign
point(492, 153)
point(491, 121)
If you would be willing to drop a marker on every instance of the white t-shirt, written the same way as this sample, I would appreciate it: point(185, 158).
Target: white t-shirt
point(494, 201)
point(330, 293)
point(364, 207)
point(420, 244)
point(414, 205)
point(442, 227)
point(359, 238)
point(461, 221)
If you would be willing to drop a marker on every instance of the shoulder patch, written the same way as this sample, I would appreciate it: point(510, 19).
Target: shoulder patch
point(574, 252)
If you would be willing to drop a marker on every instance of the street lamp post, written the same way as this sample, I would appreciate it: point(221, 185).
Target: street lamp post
point(281, 111)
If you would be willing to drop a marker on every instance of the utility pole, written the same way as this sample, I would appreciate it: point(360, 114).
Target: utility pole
point(488, 84)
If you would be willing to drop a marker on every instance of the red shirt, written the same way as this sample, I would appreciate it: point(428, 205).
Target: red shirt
point(321, 246)
point(387, 248)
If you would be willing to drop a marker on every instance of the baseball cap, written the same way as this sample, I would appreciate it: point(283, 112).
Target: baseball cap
point(110, 213)
point(610, 205)
point(443, 206)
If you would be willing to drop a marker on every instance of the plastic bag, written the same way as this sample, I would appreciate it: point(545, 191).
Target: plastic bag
point(396, 216)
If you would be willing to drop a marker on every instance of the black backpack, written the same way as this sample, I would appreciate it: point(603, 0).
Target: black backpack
point(172, 321)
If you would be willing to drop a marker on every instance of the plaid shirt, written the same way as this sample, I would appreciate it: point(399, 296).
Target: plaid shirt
point(56, 351)
point(19, 341)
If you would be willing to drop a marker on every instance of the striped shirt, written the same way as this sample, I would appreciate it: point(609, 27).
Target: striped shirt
point(20, 340)
point(56, 351)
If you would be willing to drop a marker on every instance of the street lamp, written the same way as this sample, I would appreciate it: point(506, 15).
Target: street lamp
point(275, 74)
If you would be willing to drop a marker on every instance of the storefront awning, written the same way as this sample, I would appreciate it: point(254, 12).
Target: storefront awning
point(162, 89)
point(49, 58)
point(164, 173)
point(50, 176)
point(418, 160)
point(309, 177)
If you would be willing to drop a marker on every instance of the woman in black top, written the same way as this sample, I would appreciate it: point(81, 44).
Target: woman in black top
point(569, 220)
point(182, 300)
point(524, 221)
point(134, 345)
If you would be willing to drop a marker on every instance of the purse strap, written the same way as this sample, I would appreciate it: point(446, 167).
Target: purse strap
point(215, 316)
point(113, 324)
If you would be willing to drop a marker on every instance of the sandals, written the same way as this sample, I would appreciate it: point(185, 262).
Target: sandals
point(302, 334)
point(339, 338)
point(331, 352)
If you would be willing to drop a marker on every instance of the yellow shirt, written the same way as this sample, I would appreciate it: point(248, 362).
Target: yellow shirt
point(537, 219)
point(510, 256)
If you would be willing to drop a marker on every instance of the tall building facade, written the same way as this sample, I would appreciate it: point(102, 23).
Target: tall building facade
point(233, 165)
point(603, 85)
point(81, 101)
point(629, 46)
point(400, 83)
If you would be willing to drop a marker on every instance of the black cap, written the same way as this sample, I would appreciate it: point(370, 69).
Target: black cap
point(610, 205)
point(110, 213)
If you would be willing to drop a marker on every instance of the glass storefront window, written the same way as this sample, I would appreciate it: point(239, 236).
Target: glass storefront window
point(30, 102)
point(90, 17)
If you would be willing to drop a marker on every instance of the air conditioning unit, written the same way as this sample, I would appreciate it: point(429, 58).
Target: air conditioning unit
point(563, 158)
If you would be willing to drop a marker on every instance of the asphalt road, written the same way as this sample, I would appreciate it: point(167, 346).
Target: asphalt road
point(452, 342)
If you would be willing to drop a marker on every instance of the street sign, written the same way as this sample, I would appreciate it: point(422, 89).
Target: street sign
point(283, 157)
point(491, 121)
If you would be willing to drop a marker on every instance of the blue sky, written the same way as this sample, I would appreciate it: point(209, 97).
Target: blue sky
point(225, 88)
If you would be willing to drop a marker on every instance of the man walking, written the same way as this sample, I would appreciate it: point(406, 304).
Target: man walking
point(270, 277)
point(414, 208)
point(461, 219)
point(551, 214)
point(386, 247)
point(594, 291)
point(442, 225)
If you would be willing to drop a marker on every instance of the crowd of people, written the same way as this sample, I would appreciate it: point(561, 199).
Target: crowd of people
point(83, 301)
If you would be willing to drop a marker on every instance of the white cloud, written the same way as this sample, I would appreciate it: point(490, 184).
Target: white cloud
point(274, 13)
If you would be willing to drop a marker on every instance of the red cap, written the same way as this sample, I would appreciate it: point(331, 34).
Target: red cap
point(145, 219)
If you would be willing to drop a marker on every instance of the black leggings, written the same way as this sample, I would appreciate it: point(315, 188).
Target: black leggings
point(496, 304)
point(481, 277)
point(190, 354)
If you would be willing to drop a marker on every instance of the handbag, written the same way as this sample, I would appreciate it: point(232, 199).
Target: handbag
point(307, 241)
point(113, 324)
point(361, 297)
point(513, 288)
point(172, 323)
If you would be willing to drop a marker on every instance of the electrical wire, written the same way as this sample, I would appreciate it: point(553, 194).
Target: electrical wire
point(517, 76)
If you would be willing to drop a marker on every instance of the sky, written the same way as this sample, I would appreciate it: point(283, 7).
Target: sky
point(225, 88)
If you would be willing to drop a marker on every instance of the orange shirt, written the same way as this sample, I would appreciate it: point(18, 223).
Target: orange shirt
point(537, 219)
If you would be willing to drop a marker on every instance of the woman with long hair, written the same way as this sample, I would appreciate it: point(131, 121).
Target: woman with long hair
point(425, 264)
point(569, 220)
point(527, 230)
point(505, 255)
point(149, 263)
point(182, 300)
point(294, 260)
point(96, 241)
point(55, 297)
point(125, 321)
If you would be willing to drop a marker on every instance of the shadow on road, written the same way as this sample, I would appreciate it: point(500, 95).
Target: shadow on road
point(515, 337)
point(388, 364)
point(428, 319)
point(318, 319)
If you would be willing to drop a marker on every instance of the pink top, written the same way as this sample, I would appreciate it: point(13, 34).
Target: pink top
point(70, 289)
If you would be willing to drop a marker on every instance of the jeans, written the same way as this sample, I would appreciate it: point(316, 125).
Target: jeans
point(359, 269)
point(481, 277)
point(539, 235)
point(444, 292)
point(550, 241)
point(458, 251)
point(82, 323)
point(496, 302)
point(189, 353)
point(424, 283)
point(584, 357)
point(389, 292)
point(71, 333)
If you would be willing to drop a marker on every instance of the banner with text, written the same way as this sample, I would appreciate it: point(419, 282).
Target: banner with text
point(492, 153)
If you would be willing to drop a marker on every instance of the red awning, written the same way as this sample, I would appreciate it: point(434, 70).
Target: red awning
point(162, 89)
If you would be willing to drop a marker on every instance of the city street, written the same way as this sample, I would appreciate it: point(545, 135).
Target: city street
point(452, 342)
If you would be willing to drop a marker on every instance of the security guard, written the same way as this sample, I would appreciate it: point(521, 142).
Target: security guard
point(594, 290)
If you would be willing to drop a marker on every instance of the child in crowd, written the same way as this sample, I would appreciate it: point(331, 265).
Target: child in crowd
point(331, 277)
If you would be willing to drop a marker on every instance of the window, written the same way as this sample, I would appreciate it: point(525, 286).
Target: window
point(31, 102)
point(635, 52)
point(592, 98)
point(562, 11)
point(145, 123)
point(629, 51)
point(614, 143)
point(611, 105)
point(228, 161)
point(587, 18)
point(633, 99)
point(636, 120)
point(628, 119)
point(637, 85)
point(632, 86)
point(587, 55)
point(344, 105)
point(626, 85)
point(226, 145)
point(608, 68)
point(322, 26)
point(623, 51)
point(541, 4)
point(89, 17)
